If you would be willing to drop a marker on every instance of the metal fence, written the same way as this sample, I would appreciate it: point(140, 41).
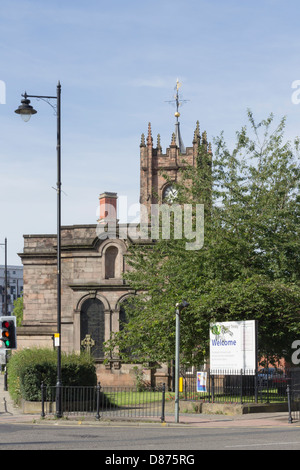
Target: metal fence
point(262, 386)
point(105, 402)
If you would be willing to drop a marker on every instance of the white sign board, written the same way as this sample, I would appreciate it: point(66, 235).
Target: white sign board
point(233, 347)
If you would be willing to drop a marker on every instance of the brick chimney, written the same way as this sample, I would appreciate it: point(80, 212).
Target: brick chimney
point(108, 207)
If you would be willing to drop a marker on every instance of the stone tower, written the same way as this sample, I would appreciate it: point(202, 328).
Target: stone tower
point(158, 171)
point(155, 165)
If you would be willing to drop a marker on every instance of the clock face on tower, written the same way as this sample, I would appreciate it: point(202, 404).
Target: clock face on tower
point(169, 194)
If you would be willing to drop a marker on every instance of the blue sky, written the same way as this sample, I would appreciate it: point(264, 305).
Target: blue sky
point(118, 62)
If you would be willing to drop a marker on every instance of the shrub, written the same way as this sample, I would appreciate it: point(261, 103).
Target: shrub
point(28, 368)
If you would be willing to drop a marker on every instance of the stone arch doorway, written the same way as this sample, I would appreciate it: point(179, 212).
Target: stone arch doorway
point(92, 327)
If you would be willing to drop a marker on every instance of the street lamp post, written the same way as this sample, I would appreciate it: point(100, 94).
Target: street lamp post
point(26, 111)
point(5, 306)
point(5, 278)
point(179, 308)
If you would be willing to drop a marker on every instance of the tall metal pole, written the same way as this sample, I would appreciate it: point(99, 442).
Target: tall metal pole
point(179, 307)
point(5, 310)
point(177, 346)
point(25, 110)
point(6, 282)
point(58, 384)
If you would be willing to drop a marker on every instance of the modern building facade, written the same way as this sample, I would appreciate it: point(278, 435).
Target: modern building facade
point(14, 281)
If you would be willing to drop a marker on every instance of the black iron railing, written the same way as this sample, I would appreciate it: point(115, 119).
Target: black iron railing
point(237, 386)
point(102, 402)
point(262, 386)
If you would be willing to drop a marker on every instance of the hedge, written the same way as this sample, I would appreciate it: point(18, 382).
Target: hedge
point(28, 368)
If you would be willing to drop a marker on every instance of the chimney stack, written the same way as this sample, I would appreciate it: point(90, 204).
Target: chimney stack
point(108, 207)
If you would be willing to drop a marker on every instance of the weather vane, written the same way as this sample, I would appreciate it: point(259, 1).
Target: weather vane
point(177, 99)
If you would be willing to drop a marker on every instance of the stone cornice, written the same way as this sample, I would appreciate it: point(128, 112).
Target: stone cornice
point(90, 286)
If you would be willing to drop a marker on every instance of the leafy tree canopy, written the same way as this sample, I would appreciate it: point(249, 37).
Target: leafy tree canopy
point(248, 267)
point(18, 310)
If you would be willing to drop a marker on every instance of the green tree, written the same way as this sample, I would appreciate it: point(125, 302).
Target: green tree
point(18, 310)
point(248, 267)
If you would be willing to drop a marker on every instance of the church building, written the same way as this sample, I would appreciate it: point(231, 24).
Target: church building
point(92, 286)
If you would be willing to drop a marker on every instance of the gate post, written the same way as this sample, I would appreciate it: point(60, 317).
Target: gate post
point(162, 418)
point(256, 386)
point(241, 386)
point(43, 401)
point(212, 388)
point(98, 401)
point(288, 391)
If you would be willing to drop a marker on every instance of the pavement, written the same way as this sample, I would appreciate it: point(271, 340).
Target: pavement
point(191, 420)
point(13, 414)
point(9, 413)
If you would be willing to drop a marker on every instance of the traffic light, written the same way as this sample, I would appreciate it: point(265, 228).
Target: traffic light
point(8, 336)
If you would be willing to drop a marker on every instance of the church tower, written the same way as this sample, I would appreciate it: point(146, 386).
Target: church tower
point(154, 187)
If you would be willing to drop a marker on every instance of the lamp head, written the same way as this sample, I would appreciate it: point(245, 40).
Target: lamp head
point(182, 305)
point(25, 109)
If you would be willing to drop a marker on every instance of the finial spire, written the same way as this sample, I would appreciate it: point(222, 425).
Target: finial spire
point(158, 143)
point(204, 140)
point(149, 138)
point(173, 142)
point(196, 139)
point(143, 141)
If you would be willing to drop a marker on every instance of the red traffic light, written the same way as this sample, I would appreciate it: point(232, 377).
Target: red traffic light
point(8, 339)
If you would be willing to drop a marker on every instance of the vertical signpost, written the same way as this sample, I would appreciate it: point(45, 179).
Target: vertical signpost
point(3, 351)
point(179, 308)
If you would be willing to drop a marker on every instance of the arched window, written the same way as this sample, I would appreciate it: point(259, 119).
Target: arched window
point(125, 307)
point(123, 318)
point(110, 262)
point(92, 325)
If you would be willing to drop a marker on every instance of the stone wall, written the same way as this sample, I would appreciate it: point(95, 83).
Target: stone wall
point(83, 277)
